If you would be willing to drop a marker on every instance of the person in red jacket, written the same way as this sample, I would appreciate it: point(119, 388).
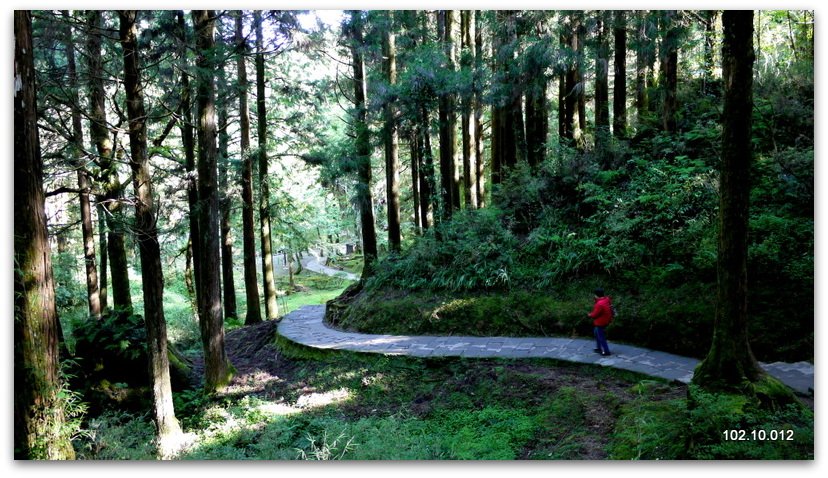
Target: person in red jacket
point(601, 316)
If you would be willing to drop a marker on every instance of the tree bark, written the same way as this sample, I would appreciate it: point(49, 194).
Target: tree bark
point(227, 277)
point(669, 71)
point(447, 117)
point(602, 123)
point(251, 281)
point(392, 160)
point(537, 118)
point(363, 147)
point(642, 100)
point(271, 305)
point(619, 93)
point(709, 17)
point(188, 142)
point(169, 431)
point(217, 368)
point(428, 184)
point(38, 412)
point(467, 33)
point(102, 282)
point(414, 153)
point(730, 362)
point(480, 182)
point(87, 231)
point(112, 188)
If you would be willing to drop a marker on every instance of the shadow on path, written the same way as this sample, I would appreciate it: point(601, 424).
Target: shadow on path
point(306, 326)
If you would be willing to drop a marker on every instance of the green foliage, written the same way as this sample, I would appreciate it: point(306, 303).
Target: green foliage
point(649, 428)
point(472, 253)
point(117, 435)
point(712, 414)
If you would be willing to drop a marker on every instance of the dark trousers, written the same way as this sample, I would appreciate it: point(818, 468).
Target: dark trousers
point(601, 339)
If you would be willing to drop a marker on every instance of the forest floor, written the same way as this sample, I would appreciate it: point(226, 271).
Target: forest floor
point(289, 401)
point(298, 385)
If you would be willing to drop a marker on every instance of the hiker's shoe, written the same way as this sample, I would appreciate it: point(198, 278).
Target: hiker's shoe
point(606, 354)
point(597, 351)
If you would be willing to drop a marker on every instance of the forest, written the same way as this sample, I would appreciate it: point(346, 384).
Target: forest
point(189, 185)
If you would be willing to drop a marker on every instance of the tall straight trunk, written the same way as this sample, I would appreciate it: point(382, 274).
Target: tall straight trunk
point(188, 142)
point(709, 18)
point(537, 120)
point(110, 197)
point(579, 38)
point(217, 368)
point(38, 413)
point(571, 85)
point(467, 33)
point(392, 160)
point(480, 181)
point(562, 73)
point(428, 184)
point(730, 362)
point(102, 277)
point(227, 279)
point(669, 71)
point(642, 100)
point(602, 123)
point(251, 281)
point(448, 133)
point(363, 148)
point(169, 431)
point(84, 187)
point(414, 153)
point(271, 305)
point(619, 92)
point(504, 125)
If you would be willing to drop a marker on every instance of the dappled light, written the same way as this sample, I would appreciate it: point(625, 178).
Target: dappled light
point(414, 234)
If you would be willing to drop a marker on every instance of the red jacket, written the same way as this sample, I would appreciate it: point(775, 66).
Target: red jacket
point(602, 312)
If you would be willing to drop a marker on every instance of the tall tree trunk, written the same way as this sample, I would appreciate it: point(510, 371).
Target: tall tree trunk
point(188, 142)
point(392, 160)
point(169, 431)
point(602, 123)
point(572, 86)
point(251, 282)
point(467, 33)
point(217, 368)
point(428, 184)
point(87, 231)
point(579, 37)
point(363, 147)
point(38, 413)
point(504, 125)
point(730, 362)
point(642, 100)
point(112, 188)
point(227, 278)
point(414, 153)
point(537, 119)
point(669, 71)
point(448, 133)
point(480, 182)
point(271, 305)
point(709, 17)
point(102, 277)
point(619, 93)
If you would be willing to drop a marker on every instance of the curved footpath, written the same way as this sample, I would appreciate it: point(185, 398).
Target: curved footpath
point(306, 326)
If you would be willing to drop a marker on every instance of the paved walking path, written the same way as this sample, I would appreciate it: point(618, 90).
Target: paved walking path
point(314, 265)
point(306, 326)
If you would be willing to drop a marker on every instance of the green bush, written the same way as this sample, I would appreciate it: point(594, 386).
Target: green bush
point(711, 415)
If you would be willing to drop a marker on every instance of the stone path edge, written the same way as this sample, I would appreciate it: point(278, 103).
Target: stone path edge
point(306, 326)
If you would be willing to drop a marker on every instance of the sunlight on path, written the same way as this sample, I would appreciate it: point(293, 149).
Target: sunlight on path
point(306, 326)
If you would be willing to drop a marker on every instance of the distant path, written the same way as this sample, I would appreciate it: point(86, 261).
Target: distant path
point(306, 326)
point(311, 262)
